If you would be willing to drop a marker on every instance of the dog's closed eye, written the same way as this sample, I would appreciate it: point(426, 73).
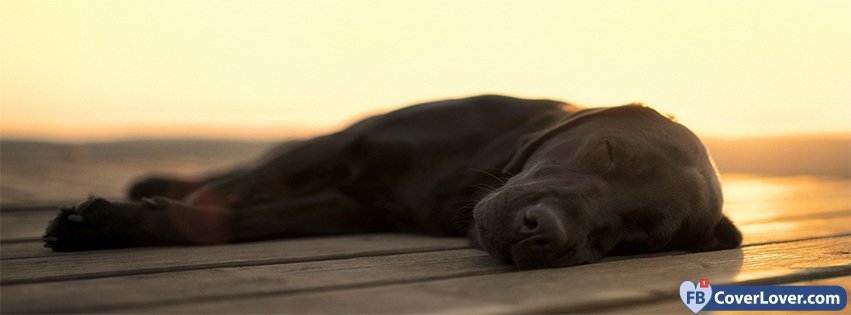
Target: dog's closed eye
point(600, 155)
point(608, 144)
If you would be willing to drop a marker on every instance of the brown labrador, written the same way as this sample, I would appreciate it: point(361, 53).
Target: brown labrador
point(537, 183)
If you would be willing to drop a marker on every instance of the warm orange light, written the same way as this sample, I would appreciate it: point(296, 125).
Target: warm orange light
point(764, 199)
point(89, 69)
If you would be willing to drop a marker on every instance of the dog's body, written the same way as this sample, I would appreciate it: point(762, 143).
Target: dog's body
point(536, 182)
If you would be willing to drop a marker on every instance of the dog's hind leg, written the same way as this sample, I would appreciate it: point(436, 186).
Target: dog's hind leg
point(178, 188)
point(158, 186)
point(173, 187)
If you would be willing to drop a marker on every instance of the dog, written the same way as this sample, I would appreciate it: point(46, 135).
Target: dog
point(535, 183)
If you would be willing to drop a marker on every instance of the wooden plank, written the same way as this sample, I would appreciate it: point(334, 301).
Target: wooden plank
point(117, 293)
point(155, 289)
point(786, 230)
point(757, 198)
point(560, 290)
point(742, 188)
point(28, 253)
point(675, 306)
point(748, 198)
point(29, 225)
point(32, 249)
point(42, 172)
point(754, 233)
point(28, 182)
point(24, 225)
point(770, 210)
point(155, 260)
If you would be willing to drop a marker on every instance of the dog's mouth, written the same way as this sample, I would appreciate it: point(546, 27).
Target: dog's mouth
point(532, 252)
point(486, 240)
point(535, 237)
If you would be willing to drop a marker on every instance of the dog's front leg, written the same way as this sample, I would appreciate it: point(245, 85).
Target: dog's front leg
point(98, 223)
point(325, 212)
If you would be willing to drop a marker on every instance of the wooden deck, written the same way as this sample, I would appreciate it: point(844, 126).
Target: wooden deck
point(797, 231)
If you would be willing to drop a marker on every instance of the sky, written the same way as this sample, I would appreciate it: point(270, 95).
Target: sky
point(94, 70)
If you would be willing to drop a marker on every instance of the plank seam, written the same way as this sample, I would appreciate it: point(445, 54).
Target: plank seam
point(108, 274)
point(816, 215)
point(797, 240)
point(290, 292)
point(21, 240)
point(262, 262)
point(655, 296)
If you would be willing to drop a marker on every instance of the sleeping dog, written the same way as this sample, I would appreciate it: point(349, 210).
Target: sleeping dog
point(536, 183)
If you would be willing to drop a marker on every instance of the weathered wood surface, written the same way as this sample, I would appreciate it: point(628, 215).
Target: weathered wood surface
point(176, 291)
point(24, 225)
point(562, 290)
point(52, 173)
point(238, 282)
point(157, 260)
point(31, 252)
point(28, 224)
point(796, 230)
point(150, 288)
point(110, 294)
point(754, 233)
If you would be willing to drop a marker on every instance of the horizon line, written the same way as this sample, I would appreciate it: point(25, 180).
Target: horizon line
point(271, 135)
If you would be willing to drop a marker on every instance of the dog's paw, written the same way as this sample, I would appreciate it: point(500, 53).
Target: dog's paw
point(97, 224)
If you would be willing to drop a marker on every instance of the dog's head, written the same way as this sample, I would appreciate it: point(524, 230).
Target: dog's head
point(605, 181)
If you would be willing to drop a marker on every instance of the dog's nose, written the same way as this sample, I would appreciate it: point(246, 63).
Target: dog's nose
point(542, 228)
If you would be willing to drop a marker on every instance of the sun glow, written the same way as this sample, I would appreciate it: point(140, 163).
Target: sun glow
point(113, 69)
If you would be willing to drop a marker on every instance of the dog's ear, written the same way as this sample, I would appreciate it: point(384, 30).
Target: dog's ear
point(725, 235)
point(529, 144)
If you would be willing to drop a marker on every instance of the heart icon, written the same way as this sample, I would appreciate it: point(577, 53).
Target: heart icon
point(693, 297)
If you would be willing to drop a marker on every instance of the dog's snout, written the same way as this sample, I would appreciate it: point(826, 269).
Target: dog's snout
point(529, 222)
point(537, 234)
point(542, 221)
point(541, 227)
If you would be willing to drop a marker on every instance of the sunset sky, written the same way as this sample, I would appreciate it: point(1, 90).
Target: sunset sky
point(92, 70)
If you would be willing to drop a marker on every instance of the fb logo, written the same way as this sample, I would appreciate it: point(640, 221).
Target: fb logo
point(695, 297)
